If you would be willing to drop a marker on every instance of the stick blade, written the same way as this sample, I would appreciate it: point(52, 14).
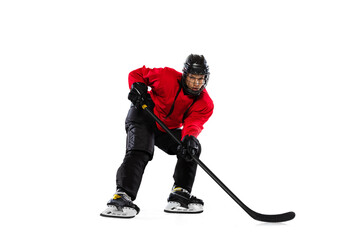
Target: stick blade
point(274, 218)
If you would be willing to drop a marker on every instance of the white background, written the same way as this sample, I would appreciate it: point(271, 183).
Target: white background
point(284, 135)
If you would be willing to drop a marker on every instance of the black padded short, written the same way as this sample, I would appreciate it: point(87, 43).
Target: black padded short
point(140, 129)
point(143, 135)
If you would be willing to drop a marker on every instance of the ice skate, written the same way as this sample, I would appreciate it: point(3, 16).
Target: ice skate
point(121, 206)
point(181, 201)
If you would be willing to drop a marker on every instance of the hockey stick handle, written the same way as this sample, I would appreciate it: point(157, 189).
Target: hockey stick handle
point(257, 216)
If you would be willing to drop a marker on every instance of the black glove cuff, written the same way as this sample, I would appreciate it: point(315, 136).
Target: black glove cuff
point(190, 146)
point(140, 86)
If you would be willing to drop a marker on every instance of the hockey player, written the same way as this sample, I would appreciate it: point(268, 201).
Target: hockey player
point(181, 101)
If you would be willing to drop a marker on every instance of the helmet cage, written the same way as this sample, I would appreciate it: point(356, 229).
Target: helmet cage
point(197, 65)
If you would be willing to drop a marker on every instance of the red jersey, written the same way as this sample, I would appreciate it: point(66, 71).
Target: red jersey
point(165, 84)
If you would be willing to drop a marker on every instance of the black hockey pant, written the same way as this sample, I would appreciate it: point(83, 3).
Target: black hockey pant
point(142, 136)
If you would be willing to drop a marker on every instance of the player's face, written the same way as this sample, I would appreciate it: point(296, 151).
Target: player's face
point(194, 81)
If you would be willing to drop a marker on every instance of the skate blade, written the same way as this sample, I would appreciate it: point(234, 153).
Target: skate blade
point(113, 211)
point(175, 207)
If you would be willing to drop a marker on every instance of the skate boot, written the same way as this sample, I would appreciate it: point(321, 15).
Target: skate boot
point(121, 206)
point(181, 201)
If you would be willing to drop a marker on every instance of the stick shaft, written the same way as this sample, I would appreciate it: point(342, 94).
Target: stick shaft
point(255, 215)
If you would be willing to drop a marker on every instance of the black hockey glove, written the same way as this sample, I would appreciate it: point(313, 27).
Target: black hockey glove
point(139, 96)
point(190, 146)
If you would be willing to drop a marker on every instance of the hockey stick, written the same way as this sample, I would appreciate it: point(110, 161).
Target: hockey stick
point(255, 215)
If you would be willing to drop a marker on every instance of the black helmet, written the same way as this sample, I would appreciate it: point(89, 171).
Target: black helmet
point(195, 64)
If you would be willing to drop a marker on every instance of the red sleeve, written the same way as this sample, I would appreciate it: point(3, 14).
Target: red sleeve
point(199, 114)
point(145, 75)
